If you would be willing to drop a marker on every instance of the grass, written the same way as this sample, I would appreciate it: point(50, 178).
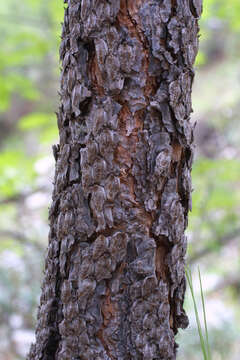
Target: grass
point(203, 334)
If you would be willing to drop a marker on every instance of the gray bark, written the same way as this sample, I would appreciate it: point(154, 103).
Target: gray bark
point(114, 278)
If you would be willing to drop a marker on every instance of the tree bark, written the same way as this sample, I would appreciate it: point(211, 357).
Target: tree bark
point(114, 278)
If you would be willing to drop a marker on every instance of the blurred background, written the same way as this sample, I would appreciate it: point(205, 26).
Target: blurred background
point(29, 71)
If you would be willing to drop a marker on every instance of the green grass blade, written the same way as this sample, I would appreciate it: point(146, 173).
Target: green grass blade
point(202, 342)
point(204, 315)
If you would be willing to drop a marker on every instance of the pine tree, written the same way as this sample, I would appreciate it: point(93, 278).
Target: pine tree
point(114, 276)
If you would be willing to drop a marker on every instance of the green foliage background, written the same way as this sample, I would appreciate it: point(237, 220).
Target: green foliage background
point(29, 77)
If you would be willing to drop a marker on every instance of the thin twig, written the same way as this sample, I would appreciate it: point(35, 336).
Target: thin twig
point(223, 241)
point(21, 239)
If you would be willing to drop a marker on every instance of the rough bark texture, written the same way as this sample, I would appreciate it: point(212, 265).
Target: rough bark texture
point(114, 278)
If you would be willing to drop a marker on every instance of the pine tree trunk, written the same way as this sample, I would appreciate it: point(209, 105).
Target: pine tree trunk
point(114, 279)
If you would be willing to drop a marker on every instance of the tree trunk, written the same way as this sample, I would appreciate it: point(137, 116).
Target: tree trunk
point(114, 279)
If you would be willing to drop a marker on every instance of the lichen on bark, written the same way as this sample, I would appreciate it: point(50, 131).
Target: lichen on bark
point(114, 276)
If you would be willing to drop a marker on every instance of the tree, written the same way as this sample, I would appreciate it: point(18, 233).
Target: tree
point(114, 276)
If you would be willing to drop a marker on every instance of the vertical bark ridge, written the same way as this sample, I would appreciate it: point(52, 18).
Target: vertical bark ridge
point(114, 277)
